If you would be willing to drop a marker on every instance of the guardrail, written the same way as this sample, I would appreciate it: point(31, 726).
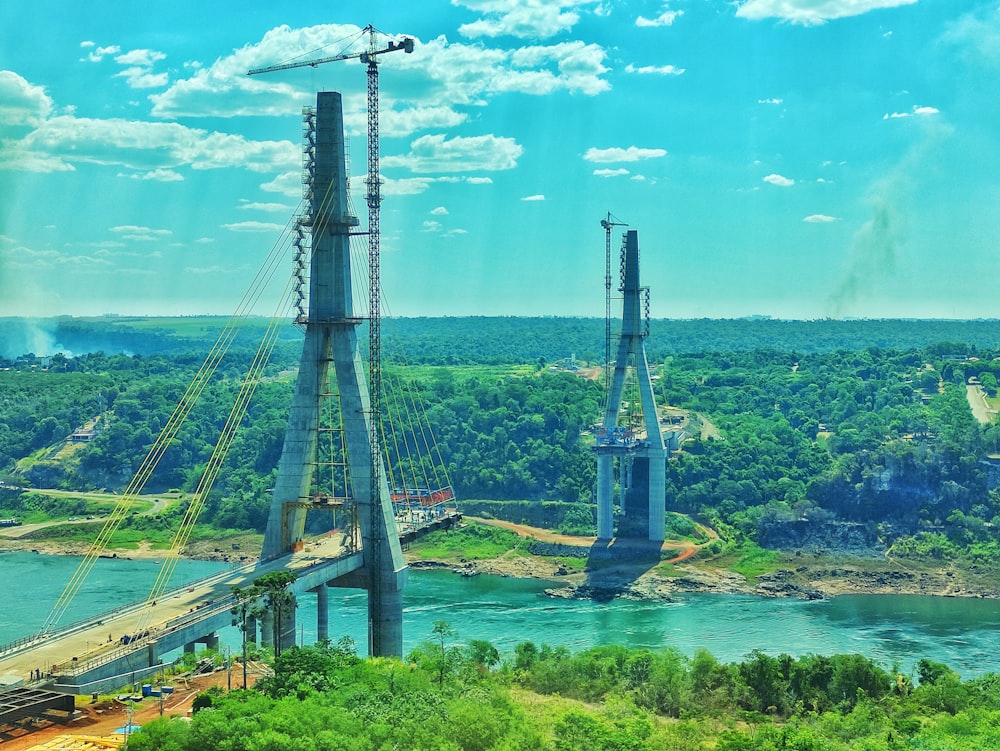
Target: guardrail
point(25, 643)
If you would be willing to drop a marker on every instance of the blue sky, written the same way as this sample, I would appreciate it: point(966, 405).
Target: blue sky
point(792, 158)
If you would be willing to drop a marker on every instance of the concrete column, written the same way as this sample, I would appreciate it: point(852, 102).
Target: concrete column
point(266, 629)
point(657, 494)
point(153, 652)
point(286, 630)
point(605, 489)
point(625, 482)
point(322, 613)
point(211, 641)
point(386, 635)
point(251, 630)
point(189, 648)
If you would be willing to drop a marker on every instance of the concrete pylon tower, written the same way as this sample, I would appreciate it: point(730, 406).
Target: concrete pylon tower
point(331, 340)
point(641, 457)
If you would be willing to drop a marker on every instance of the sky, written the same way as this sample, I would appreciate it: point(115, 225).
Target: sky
point(789, 158)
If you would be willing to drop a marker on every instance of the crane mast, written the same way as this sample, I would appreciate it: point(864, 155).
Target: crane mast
point(374, 199)
point(609, 223)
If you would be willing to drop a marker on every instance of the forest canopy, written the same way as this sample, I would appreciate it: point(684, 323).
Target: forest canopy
point(792, 423)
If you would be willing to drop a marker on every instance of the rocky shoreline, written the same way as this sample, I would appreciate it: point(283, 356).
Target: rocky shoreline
point(811, 582)
point(608, 579)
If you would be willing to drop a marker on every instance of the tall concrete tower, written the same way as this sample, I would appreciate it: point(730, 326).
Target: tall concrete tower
point(331, 340)
point(641, 455)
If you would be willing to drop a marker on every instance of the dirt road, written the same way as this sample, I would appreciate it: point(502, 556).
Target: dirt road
point(685, 548)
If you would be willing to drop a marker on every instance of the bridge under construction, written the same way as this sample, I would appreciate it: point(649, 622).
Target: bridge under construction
point(333, 460)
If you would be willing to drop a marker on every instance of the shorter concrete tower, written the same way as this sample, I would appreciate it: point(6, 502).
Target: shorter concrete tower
point(640, 452)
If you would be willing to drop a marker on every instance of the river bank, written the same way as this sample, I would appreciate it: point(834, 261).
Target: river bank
point(605, 577)
point(811, 581)
point(247, 548)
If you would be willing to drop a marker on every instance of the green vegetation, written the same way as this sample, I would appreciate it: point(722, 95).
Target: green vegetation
point(469, 542)
point(450, 696)
point(822, 426)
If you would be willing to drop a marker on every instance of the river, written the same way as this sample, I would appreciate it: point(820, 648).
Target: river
point(891, 629)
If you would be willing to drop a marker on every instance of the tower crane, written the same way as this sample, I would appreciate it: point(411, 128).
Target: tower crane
point(374, 199)
point(609, 223)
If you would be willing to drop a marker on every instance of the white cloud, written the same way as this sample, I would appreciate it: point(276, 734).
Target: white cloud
point(779, 180)
point(99, 54)
point(136, 232)
point(611, 172)
point(62, 141)
point(915, 112)
point(615, 154)
point(431, 226)
point(660, 70)
point(439, 211)
point(254, 227)
point(257, 206)
point(399, 119)
point(133, 228)
point(666, 18)
point(525, 19)
point(411, 186)
point(21, 104)
point(423, 90)
point(574, 66)
point(536, 197)
point(142, 58)
point(460, 154)
point(159, 175)
point(812, 12)
point(770, 101)
point(143, 78)
point(976, 35)
point(287, 183)
point(819, 219)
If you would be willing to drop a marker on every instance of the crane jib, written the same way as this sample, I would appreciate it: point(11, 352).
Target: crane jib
point(367, 56)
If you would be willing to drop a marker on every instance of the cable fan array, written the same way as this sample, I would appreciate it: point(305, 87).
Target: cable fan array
point(415, 469)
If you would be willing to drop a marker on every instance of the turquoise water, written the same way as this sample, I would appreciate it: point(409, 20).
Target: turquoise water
point(892, 629)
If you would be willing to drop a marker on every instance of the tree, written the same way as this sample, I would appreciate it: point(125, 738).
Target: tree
point(247, 608)
point(278, 600)
point(441, 630)
point(483, 654)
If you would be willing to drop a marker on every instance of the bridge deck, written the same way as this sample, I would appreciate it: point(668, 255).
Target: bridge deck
point(87, 643)
point(81, 647)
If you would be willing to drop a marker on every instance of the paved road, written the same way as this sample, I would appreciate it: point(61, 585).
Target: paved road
point(158, 501)
point(977, 401)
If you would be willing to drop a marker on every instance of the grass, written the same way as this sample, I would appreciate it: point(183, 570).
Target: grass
point(682, 527)
point(571, 564)
point(750, 560)
point(470, 542)
point(668, 571)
